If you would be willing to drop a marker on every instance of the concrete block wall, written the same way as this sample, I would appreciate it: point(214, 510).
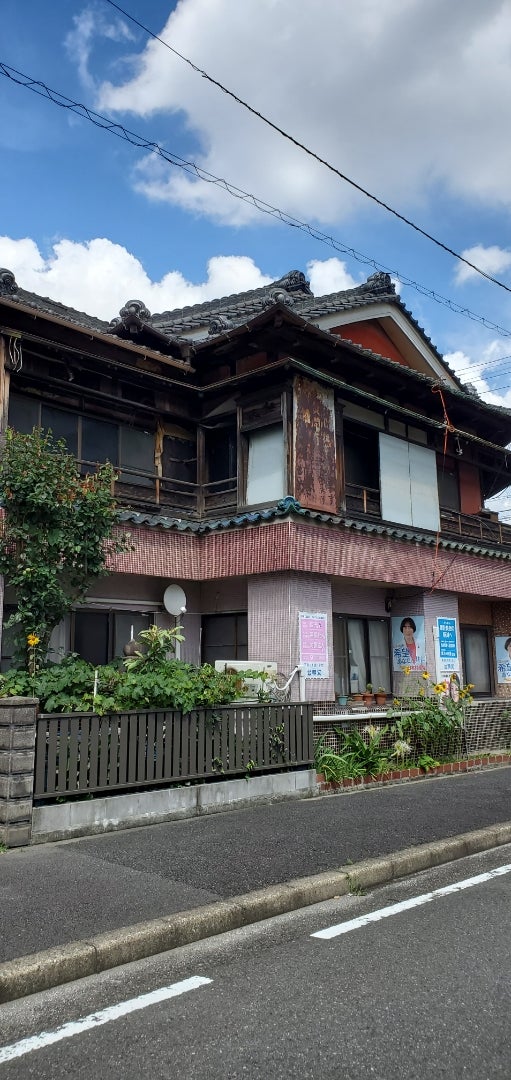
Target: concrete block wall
point(17, 754)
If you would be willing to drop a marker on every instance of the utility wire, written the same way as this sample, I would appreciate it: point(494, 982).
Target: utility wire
point(114, 128)
point(311, 153)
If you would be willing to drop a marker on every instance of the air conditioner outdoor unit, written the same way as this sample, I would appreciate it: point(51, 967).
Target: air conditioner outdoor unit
point(253, 685)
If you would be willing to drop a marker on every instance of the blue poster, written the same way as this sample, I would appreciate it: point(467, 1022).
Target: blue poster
point(448, 646)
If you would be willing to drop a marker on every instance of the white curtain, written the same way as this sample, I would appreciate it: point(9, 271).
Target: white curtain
point(356, 647)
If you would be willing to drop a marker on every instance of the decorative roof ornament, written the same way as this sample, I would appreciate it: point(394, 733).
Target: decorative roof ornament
point(218, 324)
point(134, 308)
point(8, 284)
point(380, 282)
point(294, 281)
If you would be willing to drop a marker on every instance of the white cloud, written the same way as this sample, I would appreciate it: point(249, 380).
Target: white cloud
point(329, 276)
point(492, 367)
point(493, 260)
point(395, 95)
point(99, 276)
point(89, 25)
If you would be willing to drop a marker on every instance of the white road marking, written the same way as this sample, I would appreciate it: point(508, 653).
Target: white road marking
point(113, 1012)
point(405, 905)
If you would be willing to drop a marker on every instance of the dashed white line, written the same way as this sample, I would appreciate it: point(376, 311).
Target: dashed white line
point(406, 905)
point(113, 1012)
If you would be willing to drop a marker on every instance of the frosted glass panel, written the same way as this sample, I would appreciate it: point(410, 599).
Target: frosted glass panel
point(424, 487)
point(396, 503)
point(409, 485)
point(265, 479)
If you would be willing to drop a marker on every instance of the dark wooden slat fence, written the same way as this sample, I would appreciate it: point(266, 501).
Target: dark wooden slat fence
point(81, 753)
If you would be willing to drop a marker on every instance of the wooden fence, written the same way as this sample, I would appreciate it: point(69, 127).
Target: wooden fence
point(81, 753)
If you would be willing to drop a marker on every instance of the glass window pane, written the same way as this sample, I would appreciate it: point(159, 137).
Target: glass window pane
point(357, 655)
point(341, 672)
point(477, 666)
point(379, 654)
point(137, 452)
point(99, 441)
point(63, 425)
point(265, 479)
point(91, 636)
point(224, 637)
point(24, 413)
point(126, 624)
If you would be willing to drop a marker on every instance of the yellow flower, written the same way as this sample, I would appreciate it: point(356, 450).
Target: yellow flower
point(439, 688)
point(426, 675)
point(32, 640)
point(406, 670)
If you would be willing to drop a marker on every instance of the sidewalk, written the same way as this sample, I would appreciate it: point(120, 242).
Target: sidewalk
point(54, 894)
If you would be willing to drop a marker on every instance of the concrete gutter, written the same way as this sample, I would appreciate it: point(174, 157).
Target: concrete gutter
point(41, 971)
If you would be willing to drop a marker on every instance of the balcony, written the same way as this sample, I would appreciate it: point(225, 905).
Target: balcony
point(478, 528)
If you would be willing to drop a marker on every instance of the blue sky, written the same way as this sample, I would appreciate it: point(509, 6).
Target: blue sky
point(409, 98)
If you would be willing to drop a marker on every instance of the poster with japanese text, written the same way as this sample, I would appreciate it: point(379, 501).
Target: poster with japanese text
point(313, 644)
point(503, 658)
point(408, 643)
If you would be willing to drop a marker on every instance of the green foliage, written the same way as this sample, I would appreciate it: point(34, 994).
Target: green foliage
point(357, 756)
point(432, 724)
point(58, 531)
point(65, 687)
point(152, 682)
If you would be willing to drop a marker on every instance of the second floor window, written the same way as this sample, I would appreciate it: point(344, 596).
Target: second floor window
point(90, 440)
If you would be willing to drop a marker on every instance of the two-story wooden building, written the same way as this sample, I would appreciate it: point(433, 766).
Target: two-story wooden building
point(280, 455)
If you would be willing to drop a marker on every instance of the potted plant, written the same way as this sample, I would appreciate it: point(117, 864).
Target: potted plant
point(368, 696)
point(381, 696)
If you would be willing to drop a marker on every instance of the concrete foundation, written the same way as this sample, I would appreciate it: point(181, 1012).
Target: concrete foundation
point(108, 813)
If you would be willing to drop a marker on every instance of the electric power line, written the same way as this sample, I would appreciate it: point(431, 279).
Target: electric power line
point(311, 153)
point(122, 132)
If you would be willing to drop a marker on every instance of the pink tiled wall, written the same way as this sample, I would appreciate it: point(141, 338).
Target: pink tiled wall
point(274, 601)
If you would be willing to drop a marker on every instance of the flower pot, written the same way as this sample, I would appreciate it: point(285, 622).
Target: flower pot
point(368, 699)
point(342, 700)
point(381, 699)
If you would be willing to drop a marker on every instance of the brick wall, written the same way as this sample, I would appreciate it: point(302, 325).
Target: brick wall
point(315, 549)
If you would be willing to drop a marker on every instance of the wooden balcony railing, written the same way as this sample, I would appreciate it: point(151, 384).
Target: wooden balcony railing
point(481, 528)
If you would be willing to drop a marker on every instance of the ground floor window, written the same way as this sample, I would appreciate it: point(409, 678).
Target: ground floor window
point(361, 654)
point(477, 668)
point(224, 637)
point(100, 636)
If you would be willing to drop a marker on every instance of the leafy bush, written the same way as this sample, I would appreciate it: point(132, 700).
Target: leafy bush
point(168, 684)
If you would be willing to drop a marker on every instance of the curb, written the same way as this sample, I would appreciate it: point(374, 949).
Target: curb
point(53, 967)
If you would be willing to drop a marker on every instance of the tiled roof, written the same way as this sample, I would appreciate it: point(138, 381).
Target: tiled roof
point(290, 507)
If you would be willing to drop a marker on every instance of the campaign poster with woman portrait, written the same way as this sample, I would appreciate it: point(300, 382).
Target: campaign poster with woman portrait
point(408, 643)
point(503, 657)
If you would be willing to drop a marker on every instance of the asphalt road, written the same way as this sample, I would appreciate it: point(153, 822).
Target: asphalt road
point(59, 893)
point(423, 992)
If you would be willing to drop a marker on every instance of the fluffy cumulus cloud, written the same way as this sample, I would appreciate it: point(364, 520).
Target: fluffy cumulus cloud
point(99, 276)
point(361, 82)
point(492, 260)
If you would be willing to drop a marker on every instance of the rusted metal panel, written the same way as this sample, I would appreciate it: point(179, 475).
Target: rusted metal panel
point(315, 468)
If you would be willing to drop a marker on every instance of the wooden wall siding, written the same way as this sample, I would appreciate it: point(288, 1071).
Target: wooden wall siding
point(475, 612)
point(470, 488)
point(315, 469)
point(372, 336)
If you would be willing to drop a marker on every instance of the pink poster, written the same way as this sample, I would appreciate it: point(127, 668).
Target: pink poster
point(313, 644)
